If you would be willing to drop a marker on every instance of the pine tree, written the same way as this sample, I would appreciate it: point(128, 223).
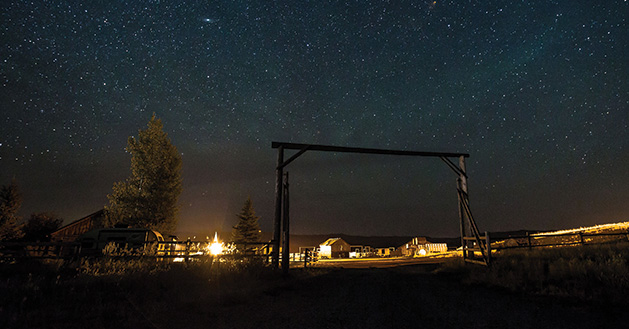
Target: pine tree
point(148, 199)
point(247, 230)
point(10, 203)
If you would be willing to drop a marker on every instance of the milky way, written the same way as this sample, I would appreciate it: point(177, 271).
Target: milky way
point(535, 91)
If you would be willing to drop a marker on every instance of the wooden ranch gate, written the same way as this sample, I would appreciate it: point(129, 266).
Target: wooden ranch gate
point(470, 240)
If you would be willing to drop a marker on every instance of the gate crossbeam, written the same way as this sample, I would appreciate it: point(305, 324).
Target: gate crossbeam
point(343, 149)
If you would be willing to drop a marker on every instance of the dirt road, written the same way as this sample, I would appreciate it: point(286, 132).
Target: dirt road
point(378, 262)
point(401, 297)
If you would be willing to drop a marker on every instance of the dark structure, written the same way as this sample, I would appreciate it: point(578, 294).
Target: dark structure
point(71, 231)
point(281, 223)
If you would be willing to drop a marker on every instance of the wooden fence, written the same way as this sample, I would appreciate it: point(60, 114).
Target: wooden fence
point(541, 240)
point(187, 250)
point(530, 241)
point(174, 250)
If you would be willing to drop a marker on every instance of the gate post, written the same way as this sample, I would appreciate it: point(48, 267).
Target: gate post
point(285, 230)
point(462, 187)
point(279, 175)
point(461, 218)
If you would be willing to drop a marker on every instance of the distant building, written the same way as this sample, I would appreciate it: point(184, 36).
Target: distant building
point(419, 246)
point(367, 251)
point(334, 248)
point(70, 232)
point(359, 251)
point(386, 252)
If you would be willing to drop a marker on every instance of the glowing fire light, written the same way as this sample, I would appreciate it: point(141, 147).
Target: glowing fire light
point(216, 247)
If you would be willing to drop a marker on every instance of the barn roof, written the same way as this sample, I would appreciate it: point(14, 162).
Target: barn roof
point(73, 229)
point(331, 241)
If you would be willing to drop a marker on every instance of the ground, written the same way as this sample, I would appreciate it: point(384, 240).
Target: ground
point(409, 296)
point(400, 297)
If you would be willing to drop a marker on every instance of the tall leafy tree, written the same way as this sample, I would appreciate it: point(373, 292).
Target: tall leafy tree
point(40, 226)
point(247, 230)
point(149, 197)
point(10, 203)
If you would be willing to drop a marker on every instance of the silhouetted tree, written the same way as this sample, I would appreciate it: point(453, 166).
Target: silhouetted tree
point(148, 198)
point(10, 203)
point(247, 230)
point(40, 226)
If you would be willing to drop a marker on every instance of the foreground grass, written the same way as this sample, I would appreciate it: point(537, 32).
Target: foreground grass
point(108, 293)
point(597, 273)
point(143, 293)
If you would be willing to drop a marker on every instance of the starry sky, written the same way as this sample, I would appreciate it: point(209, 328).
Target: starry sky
point(535, 91)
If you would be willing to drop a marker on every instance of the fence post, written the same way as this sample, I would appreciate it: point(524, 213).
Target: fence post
point(488, 247)
point(188, 243)
point(44, 249)
point(581, 238)
point(528, 238)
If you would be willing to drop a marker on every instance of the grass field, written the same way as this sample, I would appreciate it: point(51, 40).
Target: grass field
point(597, 273)
point(116, 293)
point(143, 293)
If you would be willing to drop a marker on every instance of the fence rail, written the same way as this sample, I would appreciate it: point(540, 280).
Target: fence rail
point(185, 250)
point(557, 240)
point(536, 241)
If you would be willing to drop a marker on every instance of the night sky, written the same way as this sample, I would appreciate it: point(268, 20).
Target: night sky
point(535, 91)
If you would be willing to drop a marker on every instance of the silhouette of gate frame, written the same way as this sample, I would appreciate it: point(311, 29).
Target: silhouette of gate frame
point(281, 223)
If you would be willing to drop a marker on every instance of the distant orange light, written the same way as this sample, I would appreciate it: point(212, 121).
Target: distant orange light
point(216, 247)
